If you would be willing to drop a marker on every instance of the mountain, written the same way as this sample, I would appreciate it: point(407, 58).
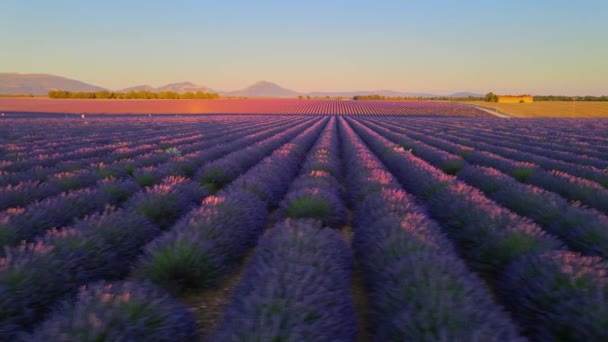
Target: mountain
point(466, 94)
point(263, 89)
point(40, 84)
point(182, 87)
point(138, 88)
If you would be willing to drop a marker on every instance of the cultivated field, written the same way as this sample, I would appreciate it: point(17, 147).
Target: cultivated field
point(303, 228)
point(235, 106)
point(551, 109)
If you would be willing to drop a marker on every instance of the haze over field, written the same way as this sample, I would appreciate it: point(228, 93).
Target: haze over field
point(436, 47)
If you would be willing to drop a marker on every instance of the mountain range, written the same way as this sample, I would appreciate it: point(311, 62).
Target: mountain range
point(40, 84)
point(181, 87)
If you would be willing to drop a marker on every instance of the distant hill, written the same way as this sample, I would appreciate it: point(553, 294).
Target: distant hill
point(40, 84)
point(263, 89)
point(138, 88)
point(182, 87)
point(466, 94)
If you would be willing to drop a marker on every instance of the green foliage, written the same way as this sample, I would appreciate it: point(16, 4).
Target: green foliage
point(452, 166)
point(142, 94)
point(214, 179)
point(376, 97)
point(522, 174)
point(570, 98)
point(16, 95)
point(490, 97)
point(308, 207)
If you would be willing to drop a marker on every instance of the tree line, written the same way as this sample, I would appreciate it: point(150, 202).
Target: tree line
point(141, 94)
point(376, 97)
point(569, 98)
point(489, 97)
point(16, 95)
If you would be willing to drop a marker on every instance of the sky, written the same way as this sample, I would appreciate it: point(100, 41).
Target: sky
point(516, 46)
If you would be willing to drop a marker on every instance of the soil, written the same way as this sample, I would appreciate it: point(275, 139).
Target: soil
point(207, 306)
point(359, 293)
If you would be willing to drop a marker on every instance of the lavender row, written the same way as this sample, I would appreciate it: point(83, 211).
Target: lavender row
point(104, 166)
point(58, 211)
point(567, 186)
point(501, 245)
point(204, 152)
point(296, 250)
point(296, 288)
point(103, 246)
point(104, 132)
point(584, 230)
point(24, 223)
point(584, 171)
point(574, 136)
point(119, 311)
point(548, 150)
point(487, 234)
point(161, 204)
point(317, 193)
point(579, 137)
point(118, 153)
point(110, 144)
point(558, 296)
point(420, 290)
point(206, 244)
point(84, 254)
point(215, 175)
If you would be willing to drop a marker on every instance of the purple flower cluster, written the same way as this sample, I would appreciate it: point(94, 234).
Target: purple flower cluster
point(206, 244)
point(573, 188)
point(493, 145)
point(217, 174)
point(316, 193)
point(122, 311)
point(34, 276)
point(58, 211)
point(420, 290)
point(163, 204)
point(560, 296)
point(447, 162)
point(296, 288)
point(270, 178)
point(582, 229)
point(545, 291)
point(566, 185)
point(487, 234)
point(118, 190)
point(25, 193)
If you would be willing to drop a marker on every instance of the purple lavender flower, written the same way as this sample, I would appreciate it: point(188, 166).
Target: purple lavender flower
point(296, 288)
point(118, 311)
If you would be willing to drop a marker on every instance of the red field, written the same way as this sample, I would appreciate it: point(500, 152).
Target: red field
point(245, 106)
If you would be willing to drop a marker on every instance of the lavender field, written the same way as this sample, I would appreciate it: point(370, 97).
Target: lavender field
point(303, 228)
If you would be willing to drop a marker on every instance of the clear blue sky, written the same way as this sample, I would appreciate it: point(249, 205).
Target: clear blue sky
point(540, 47)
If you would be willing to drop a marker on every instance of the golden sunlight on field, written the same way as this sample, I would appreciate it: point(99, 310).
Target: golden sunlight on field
point(546, 109)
